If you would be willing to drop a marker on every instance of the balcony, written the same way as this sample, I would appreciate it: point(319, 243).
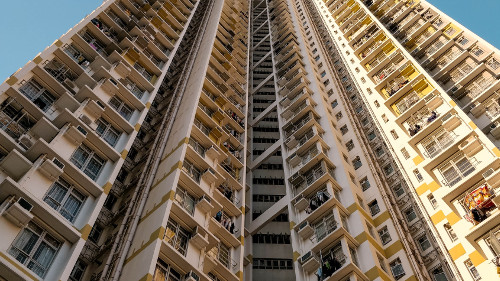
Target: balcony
point(478, 86)
point(312, 179)
point(412, 95)
point(399, 81)
point(63, 75)
point(224, 264)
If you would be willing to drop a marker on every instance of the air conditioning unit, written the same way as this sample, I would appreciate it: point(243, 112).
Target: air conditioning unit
point(488, 173)
point(26, 141)
point(204, 203)
point(58, 163)
point(82, 130)
point(71, 86)
point(99, 103)
point(192, 276)
point(305, 257)
point(17, 211)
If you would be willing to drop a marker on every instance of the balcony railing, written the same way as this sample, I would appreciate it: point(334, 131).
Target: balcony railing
point(408, 101)
point(476, 87)
point(437, 143)
point(197, 147)
point(143, 72)
point(310, 177)
point(191, 171)
point(458, 168)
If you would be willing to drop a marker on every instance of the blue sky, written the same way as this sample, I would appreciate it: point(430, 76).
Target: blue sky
point(28, 26)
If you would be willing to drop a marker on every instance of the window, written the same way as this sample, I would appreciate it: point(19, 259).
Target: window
point(450, 231)
point(405, 153)
point(110, 201)
point(65, 199)
point(379, 151)
point(377, 104)
point(357, 163)
point(344, 129)
point(439, 274)
point(394, 134)
point(450, 31)
point(433, 201)
point(410, 214)
point(472, 270)
point(124, 110)
point(316, 58)
point(385, 237)
point(374, 208)
point(277, 264)
point(338, 116)
point(95, 233)
point(354, 256)
point(177, 236)
point(349, 145)
point(35, 248)
point(384, 117)
point(365, 122)
point(381, 261)
point(329, 93)
point(335, 102)
point(36, 93)
point(388, 169)
point(326, 82)
point(463, 41)
point(365, 184)
point(418, 175)
point(371, 135)
point(397, 269)
point(424, 243)
point(361, 202)
point(106, 131)
point(78, 271)
point(456, 169)
point(88, 161)
point(323, 74)
point(493, 63)
point(398, 190)
point(165, 272)
point(477, 51)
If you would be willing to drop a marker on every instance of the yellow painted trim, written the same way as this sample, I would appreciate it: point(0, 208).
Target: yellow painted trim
point(380, 219)
point(148, 105)
point(496, 151)
point(433, 186)
point(178, 165)
point(422, 189)
point(438, 217)
point(457, 251)
point(452, 218)
point(169, 196)
point(107, 188)
point(393, 249)
point(147, 277)
point(472, 125)
point(250, 257)
point(242, 240)
point(242, 209)
point(376, 272)
point(356, 207)
point(476, 258)
point(85, 231)
point(292, 225)
point(137, 127)
point(412, 278)
point(11, 80)
point(417, 160)
point(157, 234)
point(240, 275)
point(16, 265)
point(296, 256)
point(124, 153)
point(452, 103)
point(37, 59)
point(183, 141)
point(58, 43)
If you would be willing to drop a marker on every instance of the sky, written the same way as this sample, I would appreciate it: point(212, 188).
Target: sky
point(28, 26)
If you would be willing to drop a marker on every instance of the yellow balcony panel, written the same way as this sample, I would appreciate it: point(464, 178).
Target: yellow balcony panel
point(418, 90)
point(451, 30)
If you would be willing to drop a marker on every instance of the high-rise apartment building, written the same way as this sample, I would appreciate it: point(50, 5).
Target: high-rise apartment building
point(253, 140)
